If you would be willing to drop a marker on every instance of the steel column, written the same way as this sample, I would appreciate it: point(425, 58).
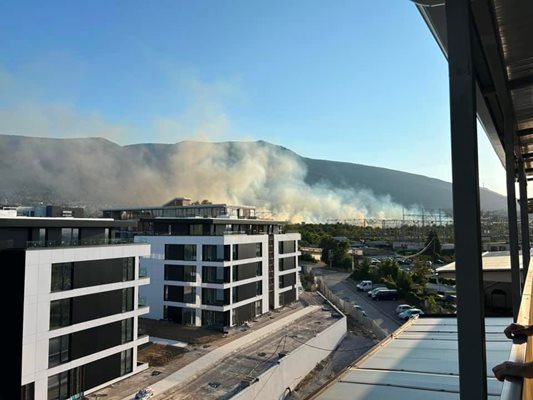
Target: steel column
point(510, 165)
point(468, 264)
point(524, 219)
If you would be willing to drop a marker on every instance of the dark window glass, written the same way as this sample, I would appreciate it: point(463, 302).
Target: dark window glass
point(125, 362)
point(127, 299)
point(58, 350)
point(60, 313)
point(128, 269)
point(127, 330)
point(61, 277)
point(181, 252)
point(258, 250)
point(28, 391)
point(215, 253)
point(58, 386)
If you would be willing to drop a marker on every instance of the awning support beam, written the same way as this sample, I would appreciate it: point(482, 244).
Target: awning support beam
point(467, 229)
point(510, 167)
point(524, 219)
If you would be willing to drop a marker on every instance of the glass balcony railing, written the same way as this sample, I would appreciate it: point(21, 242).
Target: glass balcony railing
point(516, 388)
point(80, 242)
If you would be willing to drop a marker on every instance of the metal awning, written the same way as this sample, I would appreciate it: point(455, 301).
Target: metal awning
point(503, 62)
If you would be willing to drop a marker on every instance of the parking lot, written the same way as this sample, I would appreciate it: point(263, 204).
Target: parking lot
point(382, 312)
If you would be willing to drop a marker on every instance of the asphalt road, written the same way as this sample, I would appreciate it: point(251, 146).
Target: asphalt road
point(382, 312)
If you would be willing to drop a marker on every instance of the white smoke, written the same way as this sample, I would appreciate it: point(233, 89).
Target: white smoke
point(272, 178)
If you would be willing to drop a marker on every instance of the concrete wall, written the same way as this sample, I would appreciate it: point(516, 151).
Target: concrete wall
point(291, 369)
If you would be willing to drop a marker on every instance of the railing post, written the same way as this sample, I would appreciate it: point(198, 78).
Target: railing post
point(470, 293)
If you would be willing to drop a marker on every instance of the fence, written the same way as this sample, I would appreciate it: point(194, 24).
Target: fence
point(348, 308)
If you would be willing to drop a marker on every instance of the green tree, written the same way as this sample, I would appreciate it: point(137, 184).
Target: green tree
point(421, 273)
point(404, 282)
point(362, 270)
point(431, 305)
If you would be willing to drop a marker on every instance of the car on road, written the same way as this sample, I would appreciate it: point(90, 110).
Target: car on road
point(410, 313)
point(387, 294)
point(144, 394)
point(402, 307)
point(372, 293)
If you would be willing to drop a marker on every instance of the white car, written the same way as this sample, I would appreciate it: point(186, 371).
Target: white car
point(412, 312)
point(402, 307)
point(144, 394)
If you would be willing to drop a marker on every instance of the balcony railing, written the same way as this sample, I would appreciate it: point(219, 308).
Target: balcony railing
point(80, 242)
point(516, 388)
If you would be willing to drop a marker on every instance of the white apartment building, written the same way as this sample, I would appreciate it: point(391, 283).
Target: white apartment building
point(217, 272)
point(73, 317)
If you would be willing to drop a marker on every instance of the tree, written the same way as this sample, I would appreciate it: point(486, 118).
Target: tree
point(420, 273)
point(431, 305)
point(404, 282)
point(337, 251)
point(362, 270)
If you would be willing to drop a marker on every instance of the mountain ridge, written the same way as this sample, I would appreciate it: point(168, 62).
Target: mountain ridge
point(98, 173)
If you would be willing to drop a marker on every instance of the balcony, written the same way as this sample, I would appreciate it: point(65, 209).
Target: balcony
point(77, 243)
point(516, 389)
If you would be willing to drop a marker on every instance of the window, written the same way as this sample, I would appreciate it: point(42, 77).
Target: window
point(196, 229)
point(215, 274)
point(58, 386)
point(172, 293)
point(189, 294)
point(258, 249)
point(127, 299)
point(62, 277)
point(127, 330)
point(28, 391)
point(60, 313)
point(215, 297)
point(180, 273)
point(128, 269)
point(125, 362)
point(215, 252)
point(58, 350)
point(287, 263)
point(181, 252)
point(258, 307)
point(287, 246)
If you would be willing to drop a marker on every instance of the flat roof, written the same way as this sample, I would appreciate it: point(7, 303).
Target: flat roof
point(174, 207)
point(62, 222)
point(491, 261)
point(419, 362)
point(219, 221)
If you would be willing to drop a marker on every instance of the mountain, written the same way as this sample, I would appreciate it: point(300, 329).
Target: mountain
point(98, 173)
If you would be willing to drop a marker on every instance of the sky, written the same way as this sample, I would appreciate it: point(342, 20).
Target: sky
point(357, 81)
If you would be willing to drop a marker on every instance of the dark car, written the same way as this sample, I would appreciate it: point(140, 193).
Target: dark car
point(389, 294)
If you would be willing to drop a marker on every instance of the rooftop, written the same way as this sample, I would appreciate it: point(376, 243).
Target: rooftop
point(420, 361)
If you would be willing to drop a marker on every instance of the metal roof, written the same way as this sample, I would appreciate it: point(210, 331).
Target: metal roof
point(419, 362)
point(503, 62)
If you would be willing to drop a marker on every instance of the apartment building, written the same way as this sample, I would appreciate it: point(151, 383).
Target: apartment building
point(71, 309)
point(217, 272)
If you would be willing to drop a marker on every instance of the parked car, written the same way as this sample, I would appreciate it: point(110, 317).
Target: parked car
point(402, 307)
point(371, 293)
point(387, 294)
point(144, 394)
point(410, 313)
point(364, 286)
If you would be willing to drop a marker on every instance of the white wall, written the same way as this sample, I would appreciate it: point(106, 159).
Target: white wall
point(292, 368)
point(155, 267)
point(37, 297)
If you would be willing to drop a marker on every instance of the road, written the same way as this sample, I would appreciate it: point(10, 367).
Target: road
point(382, 312)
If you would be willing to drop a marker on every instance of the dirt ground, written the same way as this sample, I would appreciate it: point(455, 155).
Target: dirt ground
point(158, 355)
point(170, 330)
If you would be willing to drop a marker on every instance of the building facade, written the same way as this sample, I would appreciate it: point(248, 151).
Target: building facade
point(73, 318)
point(218, 272)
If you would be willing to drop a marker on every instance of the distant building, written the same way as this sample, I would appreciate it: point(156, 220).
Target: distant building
point(181, 207)
point(217, 272)
point(71, 315)
point(51, 211)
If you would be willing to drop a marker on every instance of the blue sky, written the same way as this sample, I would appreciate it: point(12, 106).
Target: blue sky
point(357, 81)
